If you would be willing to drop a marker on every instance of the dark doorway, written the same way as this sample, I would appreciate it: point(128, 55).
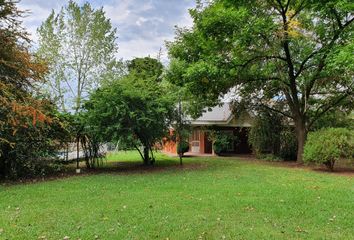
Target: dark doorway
point(208, 145)
point(241, 145)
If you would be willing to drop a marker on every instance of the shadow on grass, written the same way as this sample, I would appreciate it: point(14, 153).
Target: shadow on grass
point(116, 167)
point(337, 170)
point(136, 167)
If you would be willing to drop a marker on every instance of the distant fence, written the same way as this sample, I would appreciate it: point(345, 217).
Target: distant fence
point(74, 151)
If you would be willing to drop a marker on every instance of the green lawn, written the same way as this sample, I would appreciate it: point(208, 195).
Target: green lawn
point(209, 198)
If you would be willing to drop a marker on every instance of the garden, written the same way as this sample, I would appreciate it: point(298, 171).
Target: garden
point(82, 131)
point(206, 198)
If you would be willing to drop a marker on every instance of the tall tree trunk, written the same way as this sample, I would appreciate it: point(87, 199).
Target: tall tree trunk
point(301, 134)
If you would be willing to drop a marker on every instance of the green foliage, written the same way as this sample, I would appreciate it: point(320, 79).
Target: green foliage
point(134, 109)
point(327, 146)
point(182, 147)
point(288, 143)
point(334, 119)
point(264, 135)
point(221, 141)
point(89, 140)
point(79, 45)
point(34, 148)
point(31, 129)
point(272, 136)
point(294, 57)
point(146, 68)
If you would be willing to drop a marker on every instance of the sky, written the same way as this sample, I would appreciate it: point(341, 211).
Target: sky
point(143, 26)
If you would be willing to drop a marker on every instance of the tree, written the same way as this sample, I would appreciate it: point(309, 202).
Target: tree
point(293, 57)
point(79, 45)
point(133, 109)
point(28, 124)
point(327, 146)
point(181, 128)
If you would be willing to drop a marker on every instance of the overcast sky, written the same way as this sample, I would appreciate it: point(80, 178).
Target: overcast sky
point(142, 25)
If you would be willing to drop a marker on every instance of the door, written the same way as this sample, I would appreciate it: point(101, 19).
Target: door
point(208, 145)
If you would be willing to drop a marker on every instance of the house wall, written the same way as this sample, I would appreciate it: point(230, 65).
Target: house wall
point(169, 147)
point(242, 147)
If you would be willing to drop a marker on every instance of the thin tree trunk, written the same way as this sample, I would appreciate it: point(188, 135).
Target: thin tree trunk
point(180, 158)
point(146, 156)
point(152, 156)
point(180, 153)
point(77, 152)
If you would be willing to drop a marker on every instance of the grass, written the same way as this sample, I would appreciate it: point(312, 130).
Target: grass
point(209, 198)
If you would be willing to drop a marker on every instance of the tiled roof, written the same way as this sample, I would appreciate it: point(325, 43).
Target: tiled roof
point(217, 114)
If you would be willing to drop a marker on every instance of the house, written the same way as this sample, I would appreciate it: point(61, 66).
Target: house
point(220, 119)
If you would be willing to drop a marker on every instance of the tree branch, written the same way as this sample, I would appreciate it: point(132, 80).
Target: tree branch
point(277, 111)
point(321, 64)
point(302, 65)
point(141, 155)
point(318, 114)
point(335, 13)
point(260, 57)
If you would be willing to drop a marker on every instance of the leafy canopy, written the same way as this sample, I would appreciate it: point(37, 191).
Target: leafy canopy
point(293, 57)
point(133, 109)
point(79, 44)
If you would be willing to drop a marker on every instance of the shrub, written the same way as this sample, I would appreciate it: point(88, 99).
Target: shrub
point(329, 145)
point(222, 142)
point(288, 144)
point(34, 148)
point(264, 136)
point(182, 147)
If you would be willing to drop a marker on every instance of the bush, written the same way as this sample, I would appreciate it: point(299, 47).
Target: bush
point(33, 149)
point(221, 142)
point(329, 145)
point(288, 144)
point(264, 136)
point(182, 147)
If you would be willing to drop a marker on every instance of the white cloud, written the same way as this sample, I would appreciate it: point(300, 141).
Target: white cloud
point(140, 21)
point(142, 26)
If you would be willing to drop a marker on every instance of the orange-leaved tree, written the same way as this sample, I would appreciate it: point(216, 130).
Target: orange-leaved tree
point(25, 118)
